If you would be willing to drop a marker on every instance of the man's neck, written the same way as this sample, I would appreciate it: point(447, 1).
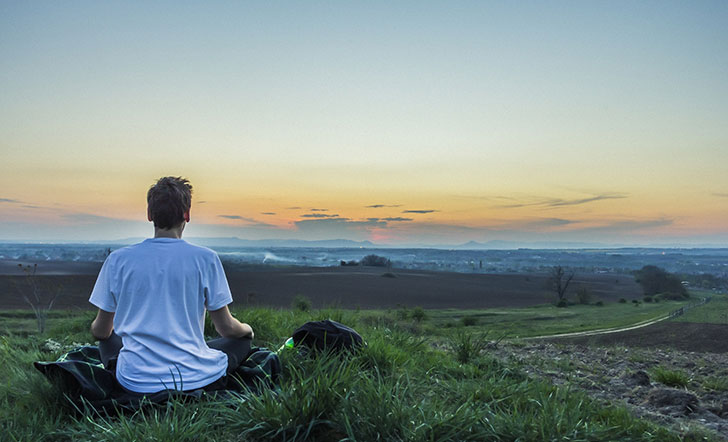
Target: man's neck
point(174, 232)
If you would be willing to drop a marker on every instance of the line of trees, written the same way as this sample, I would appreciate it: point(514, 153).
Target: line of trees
point(371, 261)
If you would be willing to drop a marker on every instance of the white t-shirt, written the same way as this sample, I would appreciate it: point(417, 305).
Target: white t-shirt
point(159, 290)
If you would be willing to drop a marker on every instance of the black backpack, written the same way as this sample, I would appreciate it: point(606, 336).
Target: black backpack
point(327, 335)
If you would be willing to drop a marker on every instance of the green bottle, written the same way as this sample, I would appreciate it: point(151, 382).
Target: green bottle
point(286, 345)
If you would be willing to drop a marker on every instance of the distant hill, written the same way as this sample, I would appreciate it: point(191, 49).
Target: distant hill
point(237, 242)
point(506, 245)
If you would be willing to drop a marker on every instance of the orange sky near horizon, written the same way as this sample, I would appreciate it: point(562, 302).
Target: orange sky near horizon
point(583, 123)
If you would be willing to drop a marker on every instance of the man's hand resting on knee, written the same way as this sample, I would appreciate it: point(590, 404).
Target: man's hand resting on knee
point(229, 327)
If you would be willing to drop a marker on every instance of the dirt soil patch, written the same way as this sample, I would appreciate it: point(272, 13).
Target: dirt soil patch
point(346, 287)
point(684, 336)
point(625, 376)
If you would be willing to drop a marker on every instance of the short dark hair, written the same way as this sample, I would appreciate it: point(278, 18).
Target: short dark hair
point(168, 200)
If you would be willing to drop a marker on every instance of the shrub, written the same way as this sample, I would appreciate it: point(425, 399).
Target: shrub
point(636, 302)
point(583, 296)
point(375, 261)
point(622, 301)
point(403, 313)
point(389, 275)
point(469, 320)
point(671, 378)
point(562, 303)
point(599, 303)
point(647, 299)
point(301, 303)
point(671, 296)
point(418, 314)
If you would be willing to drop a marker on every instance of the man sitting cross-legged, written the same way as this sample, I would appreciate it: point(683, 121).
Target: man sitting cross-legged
point(152, 299)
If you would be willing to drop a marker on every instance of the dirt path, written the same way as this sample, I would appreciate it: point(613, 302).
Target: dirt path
point(603, 331)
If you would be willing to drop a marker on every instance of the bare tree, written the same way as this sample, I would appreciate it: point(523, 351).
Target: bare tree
point(40, 308)
point(559, 281)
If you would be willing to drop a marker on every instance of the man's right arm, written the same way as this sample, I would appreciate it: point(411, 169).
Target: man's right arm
point(228, 326)
point(103, 325)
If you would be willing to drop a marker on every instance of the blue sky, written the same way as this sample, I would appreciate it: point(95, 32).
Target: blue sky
point(478, 116)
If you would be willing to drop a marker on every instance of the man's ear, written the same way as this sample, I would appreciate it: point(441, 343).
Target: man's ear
point(149, 214)
point(187, 216)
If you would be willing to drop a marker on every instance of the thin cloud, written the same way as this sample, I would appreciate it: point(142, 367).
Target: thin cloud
point(201, 202)
point(267, 213)
point(541, 223)
point(630, 225)
point(293, 208)
point(89, 218)
point(576, 202)
point(720, 195)
point(250, 222)
point(9, 200)
point(420, 211)
point(332, 228)
point(379, 206)
point(319, 210)
point(516, 206)
point(319, 215)
point(397, 218)
point(559, 202)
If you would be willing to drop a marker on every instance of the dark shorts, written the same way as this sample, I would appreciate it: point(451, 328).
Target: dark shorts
point(236, 349)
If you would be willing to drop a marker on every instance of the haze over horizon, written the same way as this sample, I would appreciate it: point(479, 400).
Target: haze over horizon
point(401, 124)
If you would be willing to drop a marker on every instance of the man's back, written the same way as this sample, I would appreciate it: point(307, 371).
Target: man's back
point(159, 290)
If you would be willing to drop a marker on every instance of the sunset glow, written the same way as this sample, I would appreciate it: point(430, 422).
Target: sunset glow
point(405, 123)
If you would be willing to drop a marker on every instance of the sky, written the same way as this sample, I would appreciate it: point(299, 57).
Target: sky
point(401, 123)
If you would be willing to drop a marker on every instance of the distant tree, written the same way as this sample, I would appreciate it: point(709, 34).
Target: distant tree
point(40, 304)
point(655, 280)
point(559, 281)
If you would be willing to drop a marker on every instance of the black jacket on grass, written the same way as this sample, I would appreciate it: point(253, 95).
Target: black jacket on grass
point(81, 376)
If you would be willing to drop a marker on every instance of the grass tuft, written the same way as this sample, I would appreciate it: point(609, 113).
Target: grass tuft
point(715, 383)
point(467, 345)
point(671, 378)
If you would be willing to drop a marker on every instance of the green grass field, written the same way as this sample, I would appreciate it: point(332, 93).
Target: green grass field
point(714, 312)
point(548, 319)
point(510, 323)
point(409, 383)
